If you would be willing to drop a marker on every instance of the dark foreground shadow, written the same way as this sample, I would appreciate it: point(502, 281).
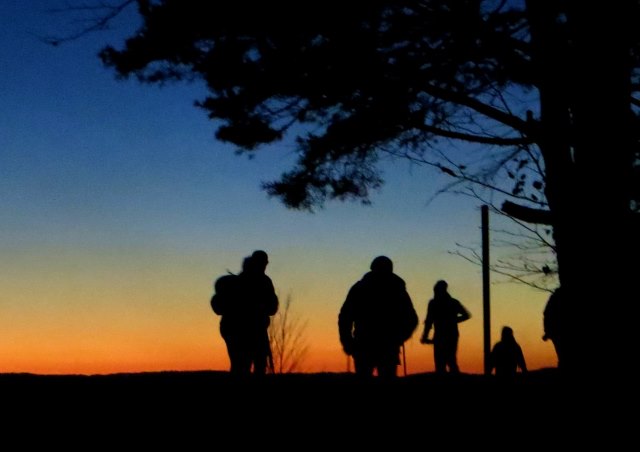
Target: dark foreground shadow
point(329, 409)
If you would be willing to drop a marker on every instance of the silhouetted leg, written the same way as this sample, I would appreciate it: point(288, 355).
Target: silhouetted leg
point(241, 364)
point(387, 361)
point(388, 369)
point(440, 356)
point(261, 351)
point(452, 357)
point(363, 364)
point(238, 356)
point(260, 364)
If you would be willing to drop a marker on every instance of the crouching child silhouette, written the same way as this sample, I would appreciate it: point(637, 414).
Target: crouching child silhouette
point(245, 303)
point(506, 357)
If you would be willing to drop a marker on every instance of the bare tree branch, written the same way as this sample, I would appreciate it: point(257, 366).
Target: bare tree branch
point(522, 126)
point(101, 16)
point(473, 138)
point(288, 340)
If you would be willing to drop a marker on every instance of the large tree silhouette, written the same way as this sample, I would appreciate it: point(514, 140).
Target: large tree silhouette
point(524, 84)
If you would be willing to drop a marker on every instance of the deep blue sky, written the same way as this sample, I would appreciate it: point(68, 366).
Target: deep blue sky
point(118, 209)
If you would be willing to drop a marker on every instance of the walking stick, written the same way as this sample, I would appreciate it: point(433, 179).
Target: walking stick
point(270, 362)
point(404, 360)
point(270, 365)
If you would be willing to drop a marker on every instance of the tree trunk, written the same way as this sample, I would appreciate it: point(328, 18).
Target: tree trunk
point(587, 143)
point(604, 265)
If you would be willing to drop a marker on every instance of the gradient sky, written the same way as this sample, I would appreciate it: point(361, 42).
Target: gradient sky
point(118, 210)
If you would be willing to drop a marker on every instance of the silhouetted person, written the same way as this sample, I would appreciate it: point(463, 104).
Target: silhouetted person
point(443, 315)
point(506, 356)
point(245, 302)
point(376, 318)
point(554, 317)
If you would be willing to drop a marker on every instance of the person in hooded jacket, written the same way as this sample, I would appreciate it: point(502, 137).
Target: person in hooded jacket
point(375, 320)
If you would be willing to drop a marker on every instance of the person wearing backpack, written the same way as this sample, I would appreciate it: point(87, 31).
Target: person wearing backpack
point(376, 319)
point(245, 303)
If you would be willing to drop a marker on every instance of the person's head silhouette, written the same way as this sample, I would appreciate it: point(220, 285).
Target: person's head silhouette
point(382, 264)
point(440, 287)
point(507, 334)
point(259, 260)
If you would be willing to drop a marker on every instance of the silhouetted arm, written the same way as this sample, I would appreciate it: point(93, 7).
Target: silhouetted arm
point(428, 324)
point(409, 317)
point(462, 313)
point(521, 362)
point(346, 320)
point(492, 358)
point(271, 299)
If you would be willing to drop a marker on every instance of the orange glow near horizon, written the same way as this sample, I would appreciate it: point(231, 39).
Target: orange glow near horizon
point(120, 357)
point(75, 313)
point(69, 321)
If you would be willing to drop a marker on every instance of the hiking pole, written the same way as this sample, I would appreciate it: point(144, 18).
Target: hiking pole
point(270, 357)
point(404, 360)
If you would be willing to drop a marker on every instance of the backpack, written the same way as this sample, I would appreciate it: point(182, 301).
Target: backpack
point(225, 289)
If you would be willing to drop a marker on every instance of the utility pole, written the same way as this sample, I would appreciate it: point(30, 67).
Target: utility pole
point(486, 297)
point(404, 360)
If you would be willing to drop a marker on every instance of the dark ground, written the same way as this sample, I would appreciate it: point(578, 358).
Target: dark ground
point(311, 410)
